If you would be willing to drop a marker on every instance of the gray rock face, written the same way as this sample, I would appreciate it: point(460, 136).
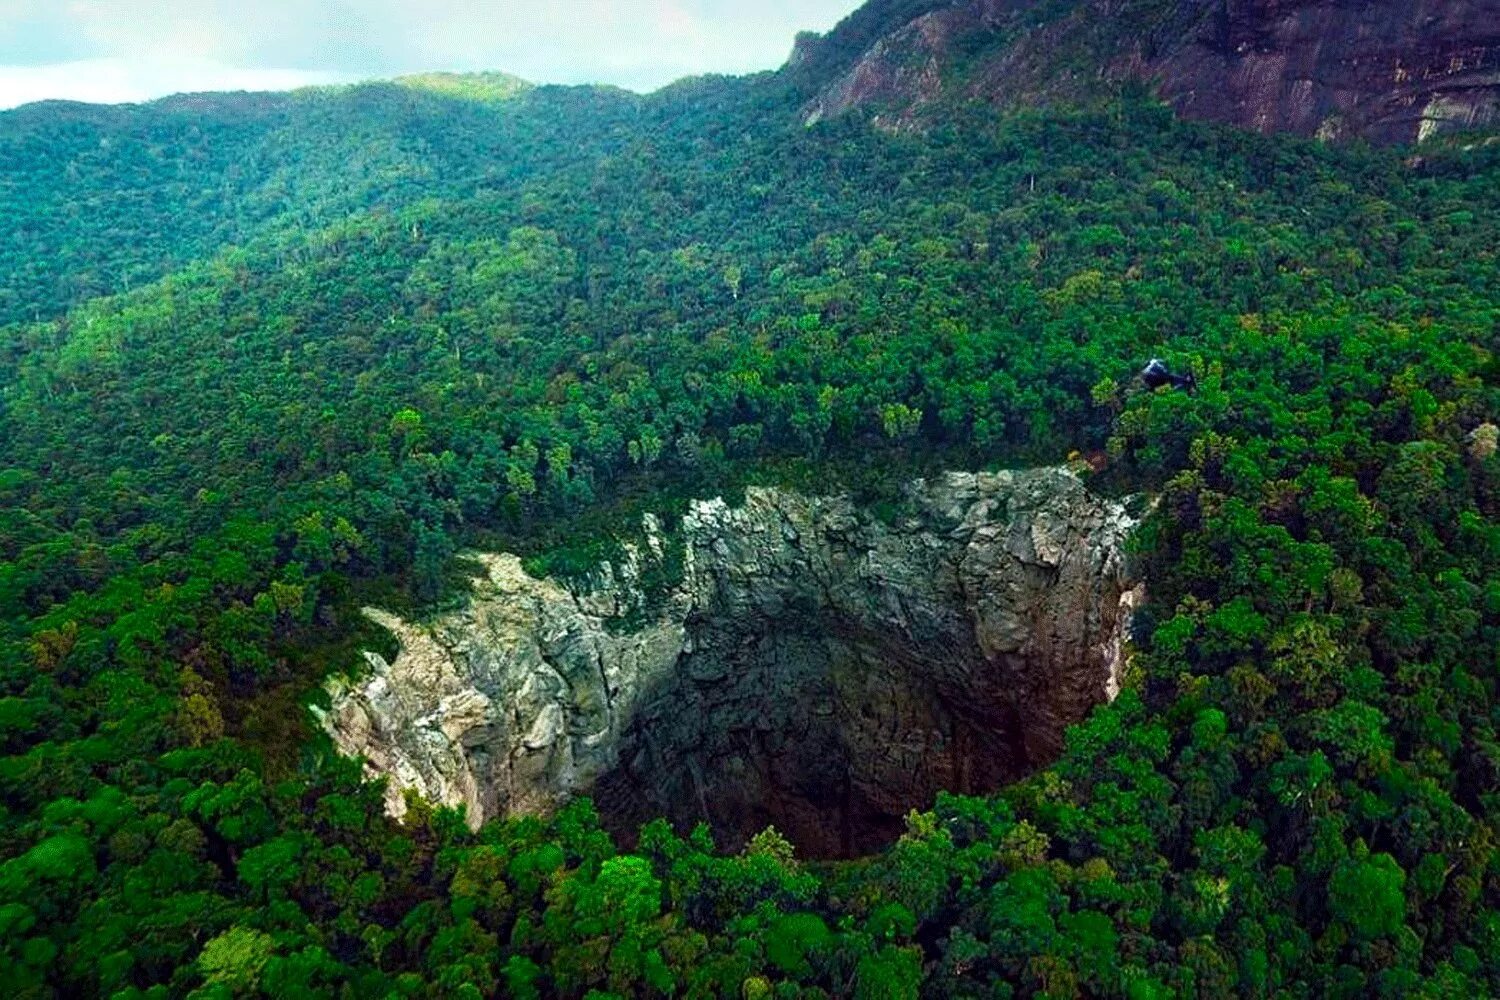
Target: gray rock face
point(1386, 71)
point(814, 667)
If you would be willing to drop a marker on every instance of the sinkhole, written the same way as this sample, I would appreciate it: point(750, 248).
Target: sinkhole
point(825, 728)
point(809, 665)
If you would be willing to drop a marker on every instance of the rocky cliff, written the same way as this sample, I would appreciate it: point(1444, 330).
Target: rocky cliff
point(1389, 71)
point(809, 664)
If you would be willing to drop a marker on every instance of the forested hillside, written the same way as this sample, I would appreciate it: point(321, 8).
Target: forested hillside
point(268, 356)
point(100, 200)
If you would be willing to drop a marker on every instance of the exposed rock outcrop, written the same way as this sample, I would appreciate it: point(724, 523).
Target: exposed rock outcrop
point(1386, 70)
point(812, 665)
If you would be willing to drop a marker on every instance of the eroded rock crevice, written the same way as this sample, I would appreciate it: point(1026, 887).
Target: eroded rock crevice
point(815, 667)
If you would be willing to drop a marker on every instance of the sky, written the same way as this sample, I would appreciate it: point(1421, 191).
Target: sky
point(111, 51)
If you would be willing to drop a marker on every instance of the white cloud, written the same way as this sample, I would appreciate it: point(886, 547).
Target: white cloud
point(115, 50)
point(117, 80)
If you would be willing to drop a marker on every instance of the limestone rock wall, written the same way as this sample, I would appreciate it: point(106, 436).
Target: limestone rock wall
point(815, 667)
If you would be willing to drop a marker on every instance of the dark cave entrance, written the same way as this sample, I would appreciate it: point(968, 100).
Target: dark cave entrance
point(822, 728)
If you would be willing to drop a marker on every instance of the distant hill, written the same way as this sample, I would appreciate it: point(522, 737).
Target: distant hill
point(97, 200)
point(478, 86)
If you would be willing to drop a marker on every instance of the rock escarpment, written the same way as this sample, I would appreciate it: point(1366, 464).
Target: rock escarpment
point(1387, 71)
point(812, 665)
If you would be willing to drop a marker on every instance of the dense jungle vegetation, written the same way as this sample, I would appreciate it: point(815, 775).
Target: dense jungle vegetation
point(267, 354)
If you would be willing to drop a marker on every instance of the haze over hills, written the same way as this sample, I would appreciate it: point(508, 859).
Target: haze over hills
point(671, 450)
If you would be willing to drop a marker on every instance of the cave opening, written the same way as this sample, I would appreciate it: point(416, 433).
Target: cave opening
point(825, 728)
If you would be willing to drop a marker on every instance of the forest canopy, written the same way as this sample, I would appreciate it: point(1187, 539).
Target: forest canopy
point(267, 356)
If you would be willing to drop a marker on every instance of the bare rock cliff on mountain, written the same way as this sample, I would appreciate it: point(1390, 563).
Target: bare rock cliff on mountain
point(803, 663)
point(1388, 71)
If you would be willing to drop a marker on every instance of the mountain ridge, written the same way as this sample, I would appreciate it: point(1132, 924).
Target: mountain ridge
point(1386, 72)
